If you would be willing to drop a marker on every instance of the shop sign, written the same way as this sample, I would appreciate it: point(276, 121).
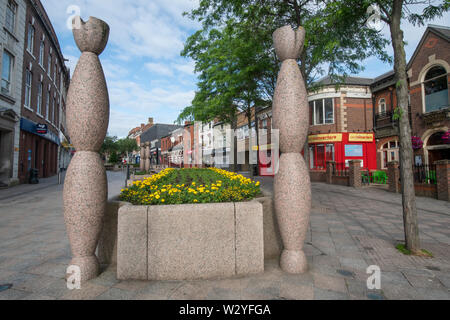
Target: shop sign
point(327, 137)
point(360, 137)
point(41, 128)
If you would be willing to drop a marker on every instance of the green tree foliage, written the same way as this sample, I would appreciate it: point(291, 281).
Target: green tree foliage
point(126, 145)
point(109, 145)
point(113, 158)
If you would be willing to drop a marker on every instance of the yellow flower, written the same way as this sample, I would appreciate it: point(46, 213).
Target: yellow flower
point(162, 200)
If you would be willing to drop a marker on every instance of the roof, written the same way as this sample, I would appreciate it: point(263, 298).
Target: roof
point(441, 31)
point(157, 131)
point(347, 80)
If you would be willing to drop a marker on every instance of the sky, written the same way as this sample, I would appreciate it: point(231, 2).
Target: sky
point(145, 74)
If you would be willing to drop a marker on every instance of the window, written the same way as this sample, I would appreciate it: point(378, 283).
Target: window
point(436, 89)
point(47, 105)
point(41, 53)
point(264, 124)
point(54, 75)
point(382, 106)
point(28, 82)
point(322, 111)
point(30, 40)
point(49, 65)
point(39, 99)
point(10, 22)
point(54, 111)
point(389, 152)
point(7, 67)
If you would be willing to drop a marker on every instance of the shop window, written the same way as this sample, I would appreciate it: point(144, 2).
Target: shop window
point(353, 150)
point(389, 152)
point(322, 111)
point(320, 159)
point(436, 89)
point(311, 157)
point(330, 152)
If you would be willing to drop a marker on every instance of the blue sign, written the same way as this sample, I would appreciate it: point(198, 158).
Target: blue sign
point(353, 150)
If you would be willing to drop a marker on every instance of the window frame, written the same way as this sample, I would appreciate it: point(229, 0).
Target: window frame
point(9, 81)
point(313, 120)
point(42, 54)
point(28, 88)
point(47, 105)
point(14, 15)
point(39, 98)
point(381, 102)
point(425, 81)
point(32, 32)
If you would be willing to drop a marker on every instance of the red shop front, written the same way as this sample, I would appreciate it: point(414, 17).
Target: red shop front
point(341, 148)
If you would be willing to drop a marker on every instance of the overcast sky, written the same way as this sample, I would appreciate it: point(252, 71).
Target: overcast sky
point(145, 73)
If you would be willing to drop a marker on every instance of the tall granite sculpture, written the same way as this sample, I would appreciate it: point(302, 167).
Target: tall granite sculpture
point(292, 186)
point(142, 159)
point(85, 188)
point(147, 156)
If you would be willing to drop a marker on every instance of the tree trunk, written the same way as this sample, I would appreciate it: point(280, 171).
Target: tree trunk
point(406, 154)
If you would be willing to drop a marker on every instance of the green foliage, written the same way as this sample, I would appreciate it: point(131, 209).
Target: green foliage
point(126, 145)
point(402, 248)
point(113, 158)
point(236, 62)
point(398, 113)
point(191, 185)
point(109, 144)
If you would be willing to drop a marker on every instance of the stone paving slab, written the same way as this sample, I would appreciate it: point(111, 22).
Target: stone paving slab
point(349, 230)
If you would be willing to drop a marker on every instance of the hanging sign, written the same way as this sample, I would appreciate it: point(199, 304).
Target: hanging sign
point(41, 128)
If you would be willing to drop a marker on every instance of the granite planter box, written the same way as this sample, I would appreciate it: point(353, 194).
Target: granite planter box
point(142, 216)
point(189, 241)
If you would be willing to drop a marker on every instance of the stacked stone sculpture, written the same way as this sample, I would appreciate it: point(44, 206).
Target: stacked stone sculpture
point(292, 186)
point(85, 188)
point(147, 156)
point(142, 160)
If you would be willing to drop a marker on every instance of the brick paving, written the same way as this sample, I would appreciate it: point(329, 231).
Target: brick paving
point(350, 229)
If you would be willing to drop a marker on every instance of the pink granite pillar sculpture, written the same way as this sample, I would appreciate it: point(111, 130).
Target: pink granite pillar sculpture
point(142, 160)
point(147, 156)
point(85, 188)
point(292, 187)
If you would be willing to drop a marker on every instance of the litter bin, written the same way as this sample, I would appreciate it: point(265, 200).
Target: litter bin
point(34, 176)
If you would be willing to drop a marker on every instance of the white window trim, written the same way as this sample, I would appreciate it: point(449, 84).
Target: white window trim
point(16, 7)
point(423, 73)
point(31, 86)
point(323, 106)
point(11, 73)
point(32, 44)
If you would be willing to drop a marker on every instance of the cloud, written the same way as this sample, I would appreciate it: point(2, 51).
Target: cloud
point(159, 68)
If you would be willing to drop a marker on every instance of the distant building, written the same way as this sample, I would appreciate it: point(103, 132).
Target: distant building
point(153, 135)
point(45, 81)
point(12, 39)
point(135, 133)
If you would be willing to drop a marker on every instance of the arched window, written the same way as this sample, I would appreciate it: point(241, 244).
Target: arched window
point(382, 106)
point(435, 89)
point(389, 152)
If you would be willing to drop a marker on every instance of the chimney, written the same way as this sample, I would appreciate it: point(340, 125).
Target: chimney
point(150, 121)
point(142, 125)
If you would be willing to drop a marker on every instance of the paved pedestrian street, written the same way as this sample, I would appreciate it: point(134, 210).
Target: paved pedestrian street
point(350, 229)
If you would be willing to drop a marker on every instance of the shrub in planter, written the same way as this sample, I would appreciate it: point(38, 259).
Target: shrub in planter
point(191, 185)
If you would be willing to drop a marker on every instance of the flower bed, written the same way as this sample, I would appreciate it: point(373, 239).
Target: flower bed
point(190, 185)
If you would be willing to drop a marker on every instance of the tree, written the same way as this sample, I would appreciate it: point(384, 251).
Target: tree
point(392, 12)
point(113, 158)
point(126, 145)
point(109, 145)
point(236, 62)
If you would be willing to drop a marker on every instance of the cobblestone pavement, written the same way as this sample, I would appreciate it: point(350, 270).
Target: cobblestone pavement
point(350, 229)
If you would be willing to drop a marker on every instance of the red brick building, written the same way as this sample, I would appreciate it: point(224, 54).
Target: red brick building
point(45, 82)
point(341, 125)
point(429, 112)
